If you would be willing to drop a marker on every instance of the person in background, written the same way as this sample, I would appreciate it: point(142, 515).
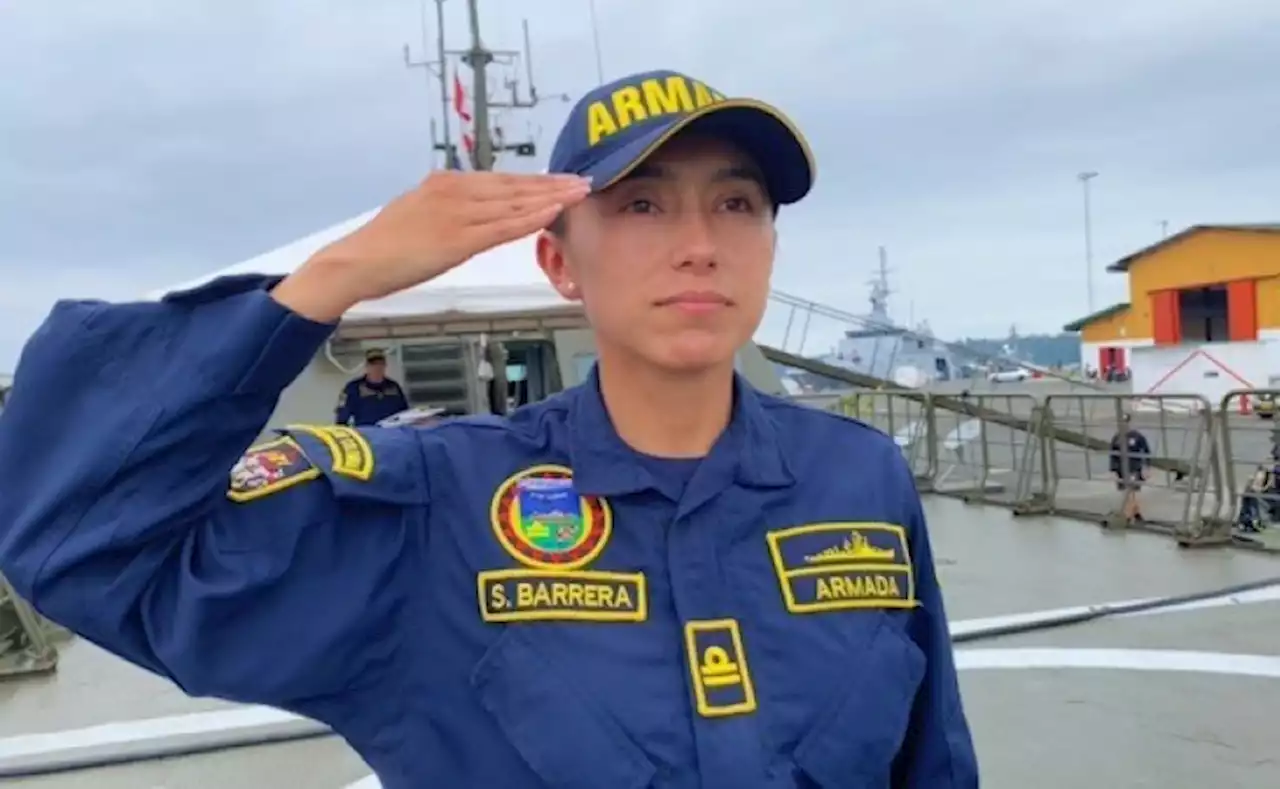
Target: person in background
point(1130, 456)
point(373, 396)
point(1254, 504)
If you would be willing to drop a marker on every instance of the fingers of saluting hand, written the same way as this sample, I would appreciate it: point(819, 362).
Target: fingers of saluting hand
point(526, 203)
point(501, 186)
point(478, 186)
point(510, 225)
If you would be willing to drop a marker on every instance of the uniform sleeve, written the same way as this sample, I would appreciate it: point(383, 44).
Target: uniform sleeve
point(119, 519)
point(938, 752)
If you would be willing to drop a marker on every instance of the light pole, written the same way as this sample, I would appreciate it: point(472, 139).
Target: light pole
point(1085, 178)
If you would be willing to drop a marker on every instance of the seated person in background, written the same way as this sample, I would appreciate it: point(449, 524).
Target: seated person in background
point(1256, 502)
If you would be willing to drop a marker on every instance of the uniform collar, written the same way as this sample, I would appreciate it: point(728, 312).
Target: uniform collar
point(748, 452)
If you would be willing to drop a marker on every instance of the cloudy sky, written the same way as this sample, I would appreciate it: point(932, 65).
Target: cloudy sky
point(143, 143)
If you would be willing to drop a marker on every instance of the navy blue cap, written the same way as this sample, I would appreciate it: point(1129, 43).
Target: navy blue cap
point(617, 126)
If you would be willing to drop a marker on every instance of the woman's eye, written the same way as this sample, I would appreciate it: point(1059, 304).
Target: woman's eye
point(738, 204)
point(640, 206)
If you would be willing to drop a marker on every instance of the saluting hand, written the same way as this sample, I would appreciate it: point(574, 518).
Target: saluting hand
point(448, 219)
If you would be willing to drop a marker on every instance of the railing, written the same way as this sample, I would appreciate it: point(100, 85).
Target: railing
point(1210, 473)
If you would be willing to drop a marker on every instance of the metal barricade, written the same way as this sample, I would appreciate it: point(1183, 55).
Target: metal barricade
point(25, 637)
point(1090, 474)
point(1249, 443)
point(987, 451)
point(909, 420)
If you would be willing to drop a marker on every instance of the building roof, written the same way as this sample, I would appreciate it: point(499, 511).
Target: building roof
point(1124, 263)
point(1093, 317)
point(504, 279)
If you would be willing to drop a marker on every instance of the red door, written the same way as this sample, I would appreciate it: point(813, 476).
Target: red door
point(1166, 322)
point(1242, 311)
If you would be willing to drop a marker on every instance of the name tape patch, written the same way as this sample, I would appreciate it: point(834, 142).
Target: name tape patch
point(718, 664)
point(349, 451)
point(269, 467)
point(540, 595)
point(843, 566)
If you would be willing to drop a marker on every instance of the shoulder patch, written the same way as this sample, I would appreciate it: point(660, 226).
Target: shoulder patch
point(349, 451)
point(270, 467)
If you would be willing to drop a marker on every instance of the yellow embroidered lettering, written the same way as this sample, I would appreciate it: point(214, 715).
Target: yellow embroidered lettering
point(349, 451)
point(628, 106)
point(651, 98)
point(497, 598)
point(583, 596)
point(843, 566)
point(600, 123)
point(857, 587)
point(666, 96)
point(704, 96)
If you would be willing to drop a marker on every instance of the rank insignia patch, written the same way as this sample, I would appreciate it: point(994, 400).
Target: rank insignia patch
point(718, 665)
point(541, 521)
point(843, 566)
point(268, 468)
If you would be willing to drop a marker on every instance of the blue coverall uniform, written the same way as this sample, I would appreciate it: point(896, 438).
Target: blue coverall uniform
point(517, 602)
point(364, 402)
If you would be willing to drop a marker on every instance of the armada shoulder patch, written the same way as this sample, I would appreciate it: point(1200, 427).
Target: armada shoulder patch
point(843, 566)
point(349, 452)
point(270, 467)
point(542, 522)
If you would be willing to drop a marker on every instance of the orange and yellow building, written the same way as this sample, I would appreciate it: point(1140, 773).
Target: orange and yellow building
point(1203, 314)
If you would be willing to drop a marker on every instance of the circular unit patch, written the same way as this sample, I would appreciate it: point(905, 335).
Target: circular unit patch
point(540, 519)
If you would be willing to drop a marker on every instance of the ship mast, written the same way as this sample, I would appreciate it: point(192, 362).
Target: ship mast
point(488, 139)
point(880, 290)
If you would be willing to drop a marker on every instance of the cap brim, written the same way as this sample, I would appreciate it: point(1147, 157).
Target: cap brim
point(762, 131)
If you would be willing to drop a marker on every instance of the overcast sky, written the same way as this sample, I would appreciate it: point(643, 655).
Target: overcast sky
point(143, 143)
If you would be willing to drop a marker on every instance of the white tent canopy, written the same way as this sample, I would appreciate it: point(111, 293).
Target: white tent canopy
point(503, 279)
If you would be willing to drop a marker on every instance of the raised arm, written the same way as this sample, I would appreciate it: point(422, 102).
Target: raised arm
point(117, 517)
point(120, 520)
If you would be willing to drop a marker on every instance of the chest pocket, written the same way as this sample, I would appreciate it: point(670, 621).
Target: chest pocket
point(852, 745)
point(563, 737)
